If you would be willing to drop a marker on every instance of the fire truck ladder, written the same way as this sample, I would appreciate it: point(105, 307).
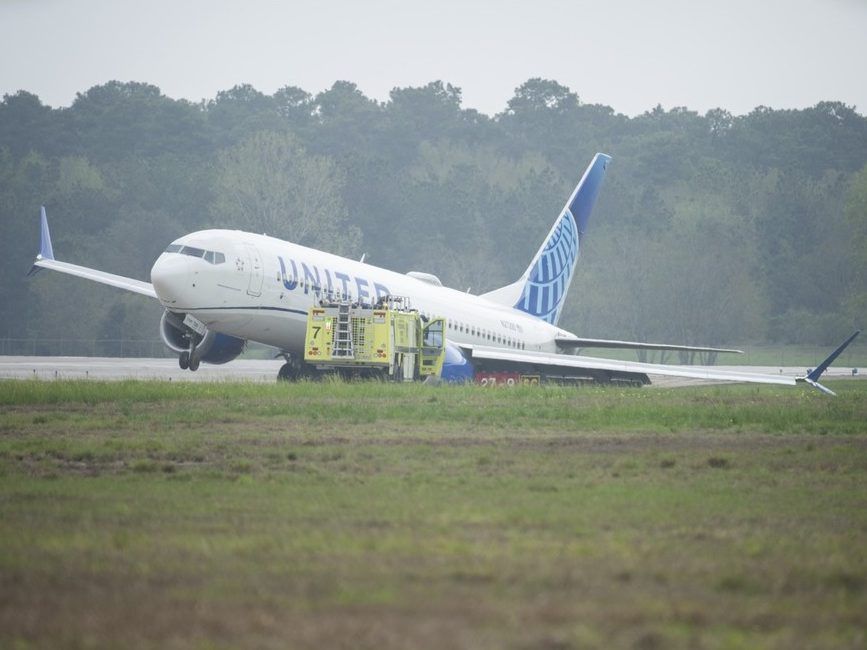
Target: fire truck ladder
point(342, 347)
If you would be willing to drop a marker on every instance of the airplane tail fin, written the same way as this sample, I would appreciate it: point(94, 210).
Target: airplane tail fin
point(541, 290)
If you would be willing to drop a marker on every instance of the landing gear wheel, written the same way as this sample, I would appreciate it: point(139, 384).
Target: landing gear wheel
point(194, 362)
point(184, 360)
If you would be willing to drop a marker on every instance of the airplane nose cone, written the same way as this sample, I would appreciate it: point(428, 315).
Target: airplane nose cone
point(172, 278)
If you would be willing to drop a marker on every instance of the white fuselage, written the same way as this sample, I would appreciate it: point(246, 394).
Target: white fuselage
point(264, 287)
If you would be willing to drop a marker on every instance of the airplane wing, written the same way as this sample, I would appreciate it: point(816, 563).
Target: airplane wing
point(572, 343)
point(45, 260)
point(610, 369)
point(592, 365)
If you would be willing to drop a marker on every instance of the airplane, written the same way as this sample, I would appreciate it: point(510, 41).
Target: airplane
point(223, 288)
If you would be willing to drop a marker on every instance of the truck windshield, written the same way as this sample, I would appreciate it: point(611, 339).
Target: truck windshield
point(433, 335)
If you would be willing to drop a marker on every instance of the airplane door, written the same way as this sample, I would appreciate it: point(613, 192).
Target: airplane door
point(257, 274)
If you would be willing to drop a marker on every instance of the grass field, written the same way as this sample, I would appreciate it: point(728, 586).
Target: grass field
point(380, 516)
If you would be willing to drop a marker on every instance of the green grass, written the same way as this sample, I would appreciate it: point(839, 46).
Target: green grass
point(371, 515)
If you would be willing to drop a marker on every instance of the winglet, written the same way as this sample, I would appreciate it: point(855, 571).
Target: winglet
point(46, 252)
point(812, 377)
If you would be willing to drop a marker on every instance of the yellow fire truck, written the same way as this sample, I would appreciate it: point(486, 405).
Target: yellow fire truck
point(389, 340)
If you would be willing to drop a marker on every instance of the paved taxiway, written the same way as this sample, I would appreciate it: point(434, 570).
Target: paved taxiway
point(257, 370)
point(113, 369)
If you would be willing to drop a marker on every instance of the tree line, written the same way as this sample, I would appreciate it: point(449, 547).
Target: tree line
point(710, 229)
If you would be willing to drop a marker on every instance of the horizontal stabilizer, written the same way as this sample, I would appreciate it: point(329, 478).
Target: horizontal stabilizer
point(573, 343)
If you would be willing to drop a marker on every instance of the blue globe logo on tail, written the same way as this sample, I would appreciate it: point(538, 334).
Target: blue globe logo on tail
point(541, 289)
point(549, 279)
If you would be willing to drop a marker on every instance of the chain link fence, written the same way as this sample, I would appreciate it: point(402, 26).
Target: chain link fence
point(137, 348)
point(800, 355)
point(23, 347)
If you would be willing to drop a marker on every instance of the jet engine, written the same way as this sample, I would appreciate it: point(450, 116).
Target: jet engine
point(213, 347)
point(457, 368)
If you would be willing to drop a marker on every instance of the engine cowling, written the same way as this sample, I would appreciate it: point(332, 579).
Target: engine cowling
point(457, 367)
point(214, 347)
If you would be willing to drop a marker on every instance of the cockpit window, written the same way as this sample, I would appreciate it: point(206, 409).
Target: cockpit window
point(192, 251)
point(211, 257)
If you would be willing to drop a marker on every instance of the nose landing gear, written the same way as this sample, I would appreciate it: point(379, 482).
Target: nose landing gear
point(189, 360)
point(188, 336)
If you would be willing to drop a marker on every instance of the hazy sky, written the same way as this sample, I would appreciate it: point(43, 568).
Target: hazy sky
point(629, 54)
